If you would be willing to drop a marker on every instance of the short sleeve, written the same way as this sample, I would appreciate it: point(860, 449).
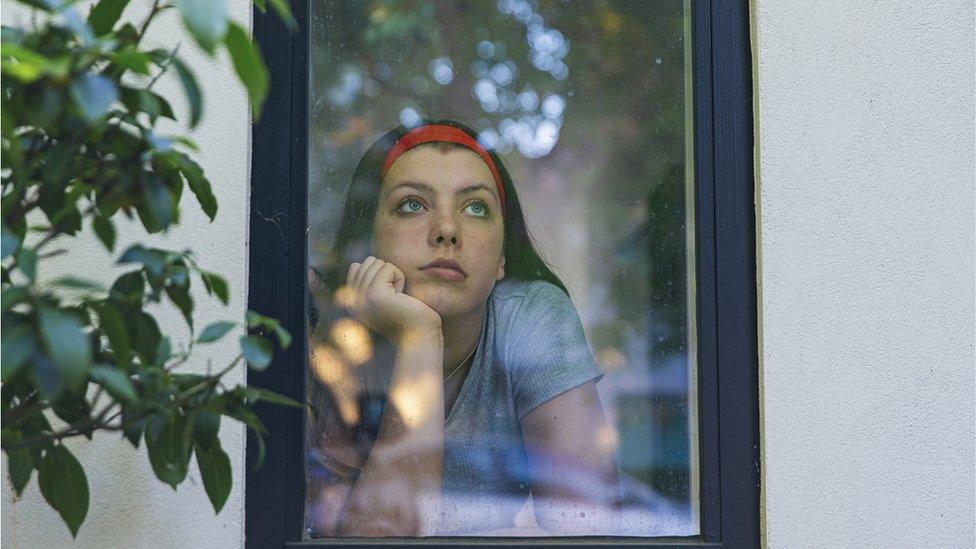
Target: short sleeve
point(549, 354)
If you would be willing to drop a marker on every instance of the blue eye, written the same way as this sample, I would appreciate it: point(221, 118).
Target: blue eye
point(478, 209)
point(411, 205)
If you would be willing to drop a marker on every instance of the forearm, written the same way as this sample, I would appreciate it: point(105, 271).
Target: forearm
point(398, 490)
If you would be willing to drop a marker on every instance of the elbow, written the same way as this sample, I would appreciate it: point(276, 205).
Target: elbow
point(379, 521)
point(375, 527)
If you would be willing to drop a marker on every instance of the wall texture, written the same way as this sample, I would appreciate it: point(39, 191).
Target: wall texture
point(129, 506)
point(866, 207)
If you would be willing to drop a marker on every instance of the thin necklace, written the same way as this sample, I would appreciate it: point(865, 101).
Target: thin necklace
point(458, 367)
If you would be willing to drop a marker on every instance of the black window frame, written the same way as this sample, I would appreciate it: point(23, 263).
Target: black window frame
point(728, 382)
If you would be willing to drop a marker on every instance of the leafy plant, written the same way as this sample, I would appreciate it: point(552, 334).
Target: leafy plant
point(80, 148)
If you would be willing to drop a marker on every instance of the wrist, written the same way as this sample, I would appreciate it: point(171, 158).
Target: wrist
point(420, 335)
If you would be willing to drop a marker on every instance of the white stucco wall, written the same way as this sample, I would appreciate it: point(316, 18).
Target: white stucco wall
point(129, 507)
point(866, 203)
point(865, 142)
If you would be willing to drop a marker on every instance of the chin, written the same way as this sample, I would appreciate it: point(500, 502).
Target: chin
point(445, 304)
point(449, 302)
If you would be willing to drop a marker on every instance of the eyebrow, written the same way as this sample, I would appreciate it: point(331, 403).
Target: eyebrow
point(427, 188)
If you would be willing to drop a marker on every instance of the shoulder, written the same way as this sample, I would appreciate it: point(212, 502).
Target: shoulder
point(517, 294)
point(531, 309)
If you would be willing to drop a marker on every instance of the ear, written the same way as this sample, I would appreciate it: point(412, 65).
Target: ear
point(501, 269)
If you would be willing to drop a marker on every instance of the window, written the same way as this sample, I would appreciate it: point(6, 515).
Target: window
point(668, 311)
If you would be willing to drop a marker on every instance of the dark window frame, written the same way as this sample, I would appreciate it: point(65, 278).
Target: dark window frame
point(726, 269)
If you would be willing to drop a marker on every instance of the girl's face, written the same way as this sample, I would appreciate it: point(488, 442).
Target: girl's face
point(439, 219)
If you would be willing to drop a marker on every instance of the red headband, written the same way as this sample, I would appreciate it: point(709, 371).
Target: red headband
point(450, 134)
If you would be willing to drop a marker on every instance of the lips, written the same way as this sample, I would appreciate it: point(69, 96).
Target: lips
point(444, 266)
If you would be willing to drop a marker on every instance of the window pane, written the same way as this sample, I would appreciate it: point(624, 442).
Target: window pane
point(586, 109)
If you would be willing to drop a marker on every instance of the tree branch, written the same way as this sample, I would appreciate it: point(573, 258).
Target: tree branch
point(100, 423)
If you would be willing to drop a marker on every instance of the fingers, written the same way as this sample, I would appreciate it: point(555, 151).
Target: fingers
point(369, 275)
point(399, 279)
point(351, 275)
point(362, 276)
point(384, 274)
point(358, 280)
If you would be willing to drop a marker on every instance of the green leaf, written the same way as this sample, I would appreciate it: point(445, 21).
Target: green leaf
point(20, 466)
point(132, 59)
point(165, 110)
point(105, 231)
point(145, 337)
point(115, 382)
point(10, 241)
point(17, 346)
point(205, 428)
point(262, 450)
point(257, 393)
point(281, 8)
point(216, 474)
point(187, 142)
point(47, 376)
point(153, 260)
point(129, 289)
point(66, 343)
point(249, 66)
point(164, 351)
point(27, 65)
point(216, 285)
point(249, 418)
point(13, 295)
point(168, 453)
point(158, 105)
point(181, 298)
point(257, 351)
point(22, 63)
point(76, 283)
point(197, 182)
point(105, 15)
point(72, 408)
point(193, 95)
point(159, 202)
point(27, 263)
point(284, 12)
point(284, 338)
point(179, 276)
point(94, 94)
point(206, 20)
point(133, 428)
point(255, 320)
point(64, 486)
point(215, 331)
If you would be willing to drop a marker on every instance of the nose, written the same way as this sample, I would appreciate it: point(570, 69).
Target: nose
point(444, 231)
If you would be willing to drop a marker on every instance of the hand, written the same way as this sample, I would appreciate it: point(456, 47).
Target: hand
point(378, 301)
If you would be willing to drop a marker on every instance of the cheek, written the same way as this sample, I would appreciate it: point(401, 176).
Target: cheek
point(397, 240)
point(487, 250)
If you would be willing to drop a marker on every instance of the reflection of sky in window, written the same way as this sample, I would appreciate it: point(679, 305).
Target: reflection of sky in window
point(536, 130)
point(409, 117)
point(524, 119)
point(344, 93)
point(441, 70)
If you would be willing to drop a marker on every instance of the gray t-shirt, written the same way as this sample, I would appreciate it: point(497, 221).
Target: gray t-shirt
point(532, 348)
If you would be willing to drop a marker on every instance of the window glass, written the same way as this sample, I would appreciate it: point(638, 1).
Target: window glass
point(437, 128)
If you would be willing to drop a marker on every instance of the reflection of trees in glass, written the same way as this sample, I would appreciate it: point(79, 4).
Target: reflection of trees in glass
point(585, 100)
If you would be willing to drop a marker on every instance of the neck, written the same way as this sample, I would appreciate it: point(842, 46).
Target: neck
point(461, 336)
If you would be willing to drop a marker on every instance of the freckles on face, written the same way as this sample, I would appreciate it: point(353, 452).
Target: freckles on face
point(435, 207)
